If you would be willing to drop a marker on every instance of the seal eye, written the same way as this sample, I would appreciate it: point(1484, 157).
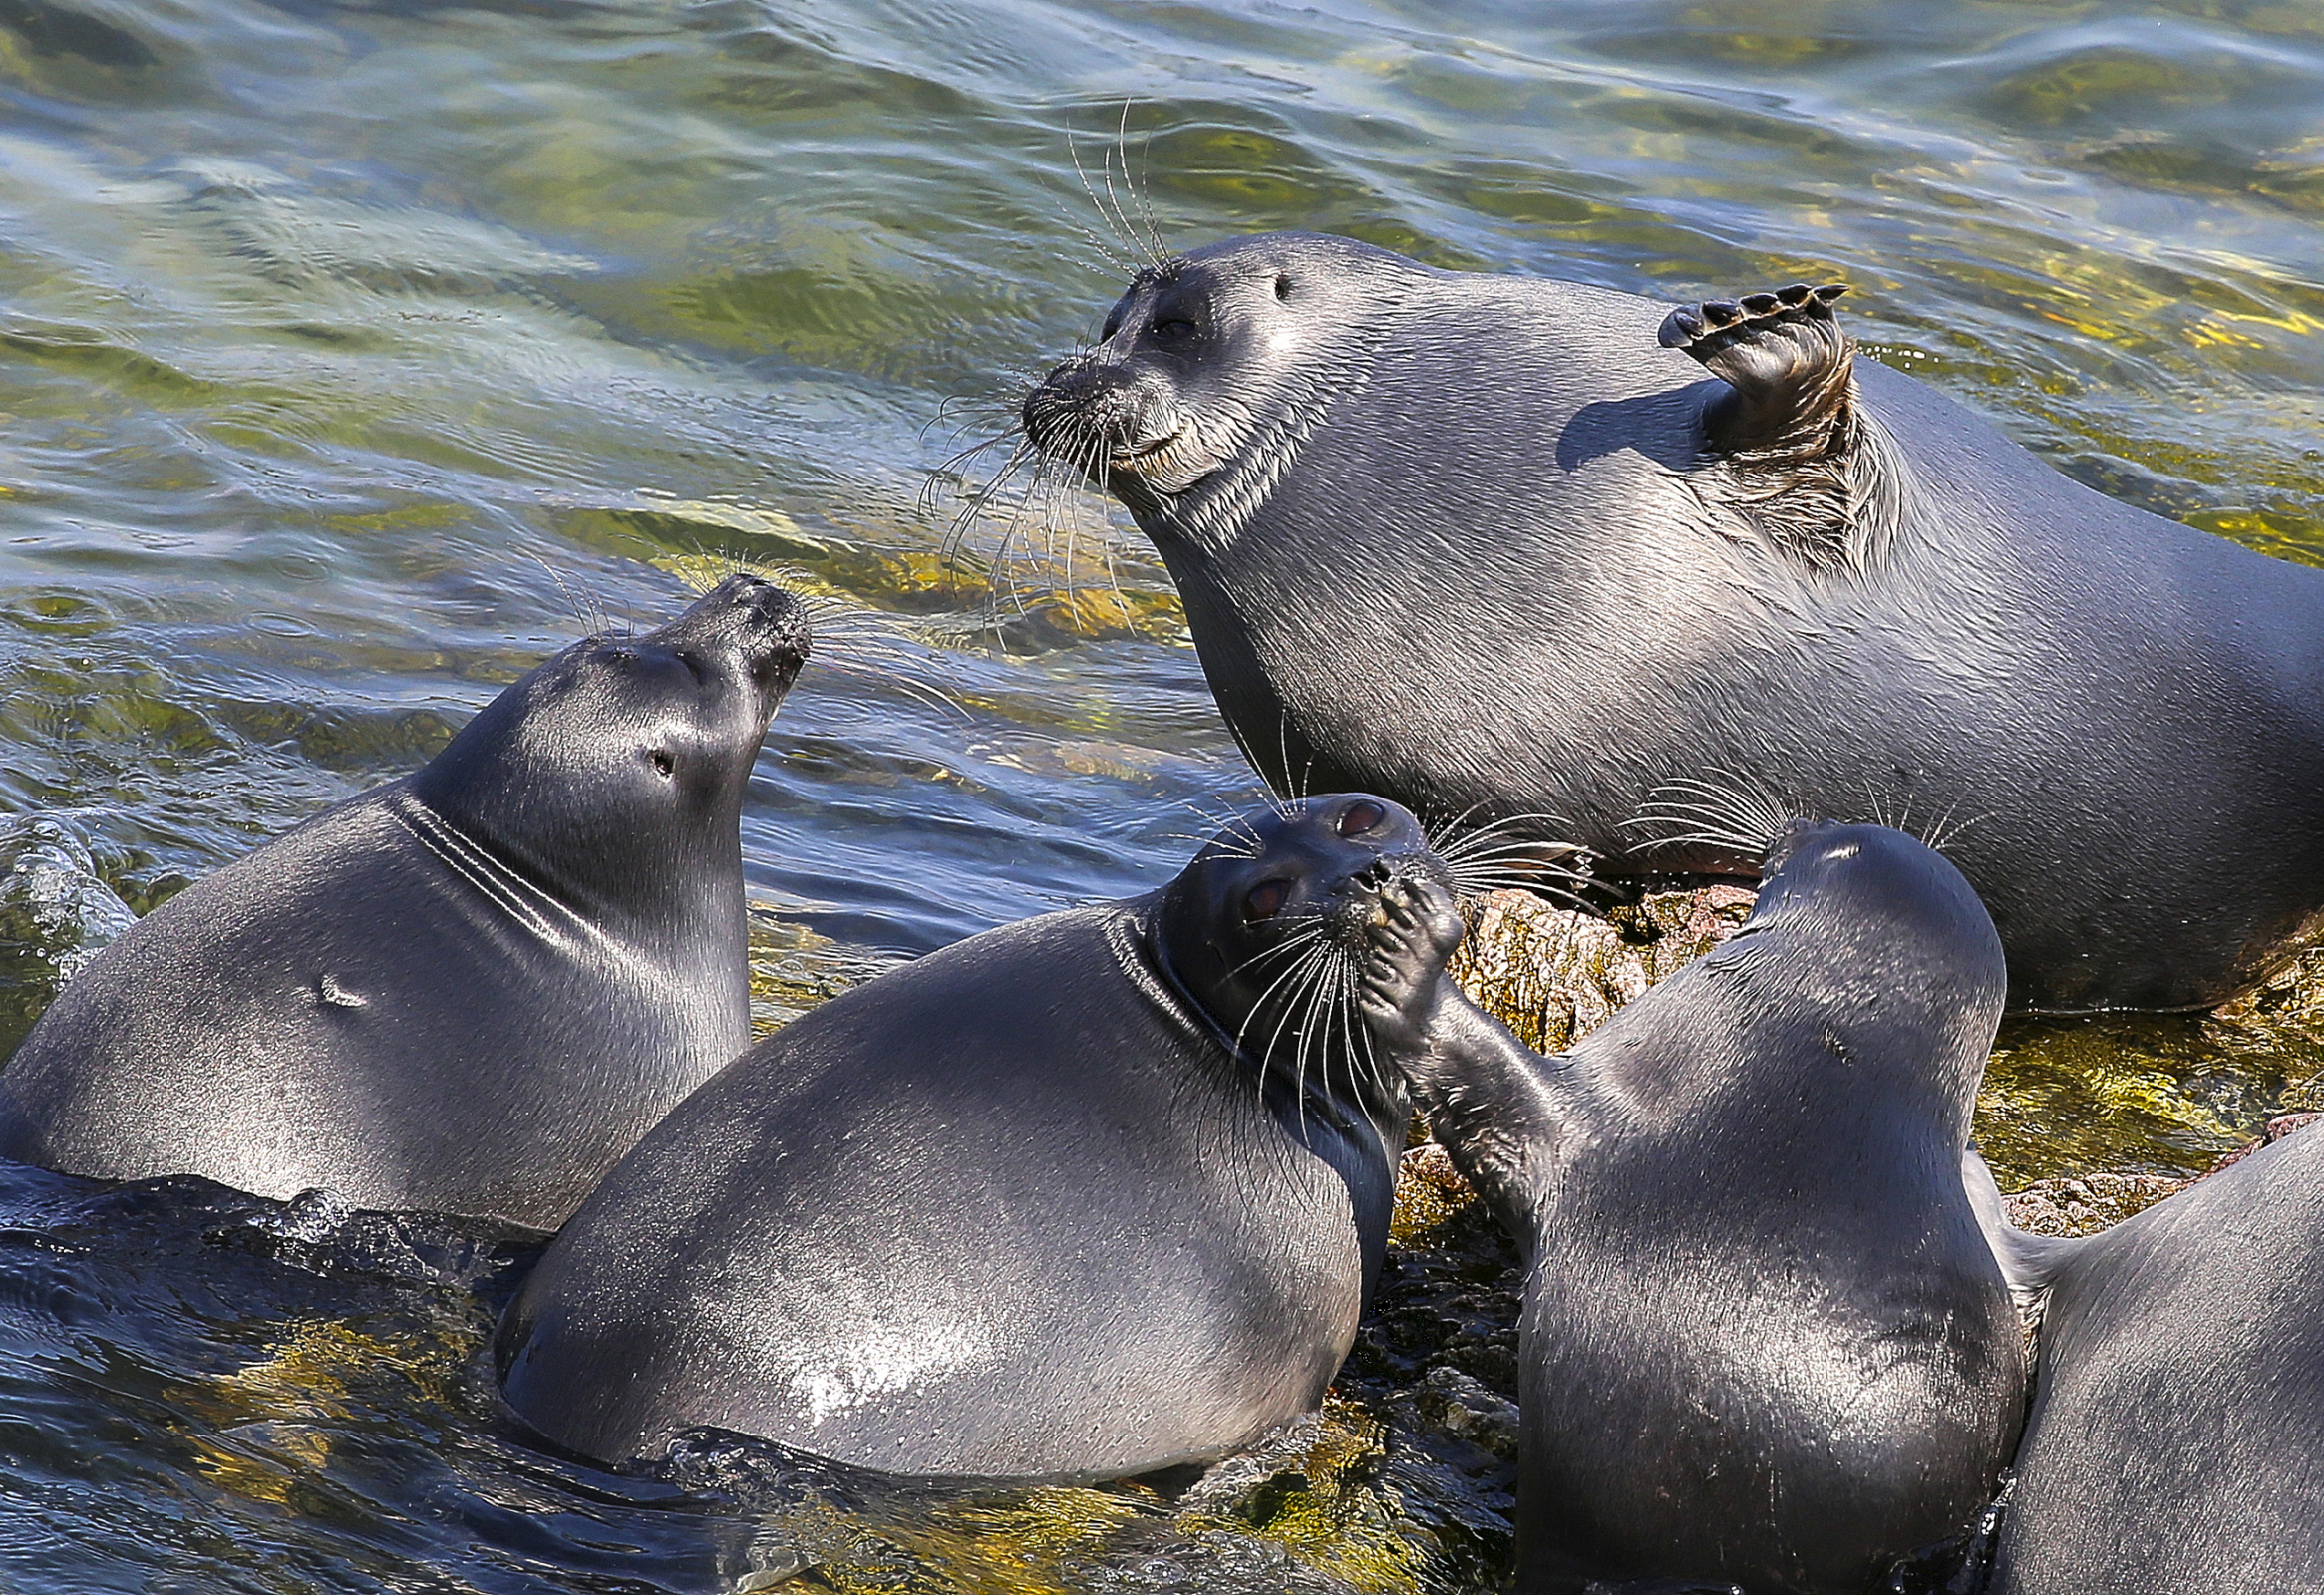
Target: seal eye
point(1265, 900)
point(663, 763)
point(1358, 817)
point(1175, 330)
point(1282, 287)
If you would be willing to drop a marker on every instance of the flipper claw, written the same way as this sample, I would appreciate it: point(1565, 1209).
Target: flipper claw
point(1790, 430)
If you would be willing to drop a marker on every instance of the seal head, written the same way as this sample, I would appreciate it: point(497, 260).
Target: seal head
point(1212, 370)
point(1264, 929)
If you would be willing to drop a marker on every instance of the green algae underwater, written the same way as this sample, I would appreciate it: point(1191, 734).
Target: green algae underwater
point(354, 356)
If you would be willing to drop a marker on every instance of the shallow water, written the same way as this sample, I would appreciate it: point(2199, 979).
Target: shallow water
point(353, 357)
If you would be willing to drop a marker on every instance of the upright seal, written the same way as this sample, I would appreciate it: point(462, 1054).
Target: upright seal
point(2176, 1439)
point(1083, 1196)
point(1765, 1343)
point(469, 989)
point(1598, 573)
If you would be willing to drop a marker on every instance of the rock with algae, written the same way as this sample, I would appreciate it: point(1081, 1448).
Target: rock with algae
point(2159, 1097)
point(1553, 975)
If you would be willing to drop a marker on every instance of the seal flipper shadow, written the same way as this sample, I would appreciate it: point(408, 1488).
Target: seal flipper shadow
point(1806, 465)
point(2030, 1263)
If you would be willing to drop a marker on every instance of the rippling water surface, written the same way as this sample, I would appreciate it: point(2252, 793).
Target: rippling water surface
point(355, 356)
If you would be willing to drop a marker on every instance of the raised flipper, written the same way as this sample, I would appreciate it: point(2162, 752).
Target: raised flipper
point(1804, 464)
point(1497, 1107)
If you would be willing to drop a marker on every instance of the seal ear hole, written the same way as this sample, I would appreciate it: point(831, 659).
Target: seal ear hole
point(1282, 287)
point(663, 763)
point(1359, 817)
point(1264, 900)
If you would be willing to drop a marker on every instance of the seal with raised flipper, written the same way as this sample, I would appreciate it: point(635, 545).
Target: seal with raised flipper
point(1500, 546)
point(1765, 1345)
point(469, 990)
point(2175, 1443)
point(1083, 1196)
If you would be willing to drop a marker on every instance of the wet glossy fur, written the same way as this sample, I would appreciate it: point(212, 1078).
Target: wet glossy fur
point(1763, 1342)
point(469, 990)
point(2176, 1441)
point(1468, 540)
point(1022, 1208)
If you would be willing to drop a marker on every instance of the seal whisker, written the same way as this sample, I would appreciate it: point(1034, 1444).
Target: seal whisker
point(1297, 941)
point(1303, 1004)
point(1448, 839)
point(1947, 830)
point(1728, 810)
point(1125, 264)
point(1109, 206)
point(1299, 972)
point(1151, 230)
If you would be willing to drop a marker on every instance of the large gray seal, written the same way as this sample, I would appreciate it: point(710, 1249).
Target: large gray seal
point(1765, 1343)
point(1083, 1196)
point(2176, 1441)
point(1495, 546)
point(469, 990)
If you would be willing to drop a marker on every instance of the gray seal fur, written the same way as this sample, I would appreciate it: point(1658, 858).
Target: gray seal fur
point(2177, 1440)
point(1072, 1198)
point(469, 989)
point(1765, 1343)
point(1496, 547)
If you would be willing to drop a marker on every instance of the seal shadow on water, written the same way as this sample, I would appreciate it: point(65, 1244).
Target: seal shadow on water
point(1083, 1196)
point(1496, 545)
point(469, 989)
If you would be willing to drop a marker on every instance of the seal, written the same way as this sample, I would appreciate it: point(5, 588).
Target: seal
point(469, 989)
point(1765, 1343)
point(1083, 1196)
point(2176, 1437)
point(1612, 547)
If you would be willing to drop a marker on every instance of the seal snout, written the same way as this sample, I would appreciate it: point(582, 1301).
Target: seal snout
point(1104, 415)
point(753, 625)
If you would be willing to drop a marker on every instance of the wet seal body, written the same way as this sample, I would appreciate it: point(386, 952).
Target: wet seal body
point(469, 990)
point(2176, 1437)
point(1597, 573)
point(1765, 1343)
point(1073, 1198)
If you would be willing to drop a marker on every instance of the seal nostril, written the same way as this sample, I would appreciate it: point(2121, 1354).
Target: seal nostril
point(1282, 287)
point(663, 763)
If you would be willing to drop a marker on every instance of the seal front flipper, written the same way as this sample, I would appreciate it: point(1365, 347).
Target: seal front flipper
point(1492, 1101)
point(1805, 466)
point(2029, 1262)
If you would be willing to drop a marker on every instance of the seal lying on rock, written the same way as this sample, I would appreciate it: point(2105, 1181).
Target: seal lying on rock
point(1083, 1196)
point(1765, 1342)
point(1494, 545)
point(2176, 1437)
point(469, 989)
